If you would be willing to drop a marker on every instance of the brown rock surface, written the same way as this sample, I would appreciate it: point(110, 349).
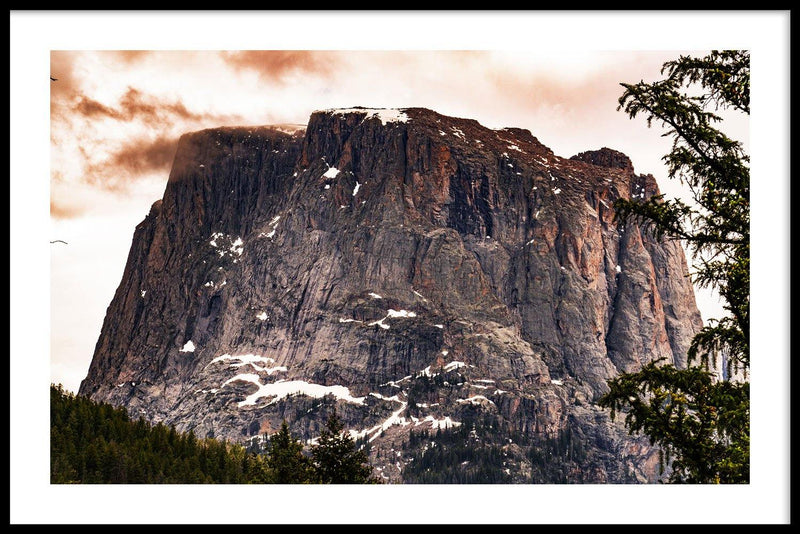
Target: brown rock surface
point(427, 258)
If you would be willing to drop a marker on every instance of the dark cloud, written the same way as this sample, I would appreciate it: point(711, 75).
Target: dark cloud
point(93, 109)
point(135, 105)
point(66, 89)
point(274, 65)
point(135, 159)
point(131, 161)
point(155, 123)
point(145, 155)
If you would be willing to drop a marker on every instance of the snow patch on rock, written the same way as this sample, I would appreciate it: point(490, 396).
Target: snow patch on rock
point(385, 115)
point(285, 388)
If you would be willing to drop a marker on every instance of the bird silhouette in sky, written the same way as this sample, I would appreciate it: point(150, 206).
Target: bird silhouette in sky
point(53, 79)
point(59, 241)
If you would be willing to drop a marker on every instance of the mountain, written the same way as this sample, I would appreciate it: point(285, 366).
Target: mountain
point(459, 294)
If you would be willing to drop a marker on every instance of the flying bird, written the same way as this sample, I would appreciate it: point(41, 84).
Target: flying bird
point(53, 79)
point(59, 241)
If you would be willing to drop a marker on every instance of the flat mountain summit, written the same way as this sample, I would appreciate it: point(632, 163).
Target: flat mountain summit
point(459, 294)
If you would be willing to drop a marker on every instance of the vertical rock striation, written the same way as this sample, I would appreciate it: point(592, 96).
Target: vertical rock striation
point(416, 270)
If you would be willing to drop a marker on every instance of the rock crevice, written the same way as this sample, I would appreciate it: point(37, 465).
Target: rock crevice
point(361, 261)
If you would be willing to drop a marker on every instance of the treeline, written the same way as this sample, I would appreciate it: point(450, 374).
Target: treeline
point(452, 457)
point(560, 459)
point(95, 443)
point(482, 451)
point(473, 453)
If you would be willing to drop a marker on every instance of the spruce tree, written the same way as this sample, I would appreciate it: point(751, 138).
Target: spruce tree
point(95, 443)
point(701, 422)
point(286, 459)
point(336, 458)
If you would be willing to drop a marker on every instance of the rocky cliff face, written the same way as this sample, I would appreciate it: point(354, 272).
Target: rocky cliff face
point(421, 273)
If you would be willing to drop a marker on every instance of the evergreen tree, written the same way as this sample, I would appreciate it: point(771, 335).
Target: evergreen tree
point(97, 443)
point(337, 460)
point(286, 459)
point(701, 423)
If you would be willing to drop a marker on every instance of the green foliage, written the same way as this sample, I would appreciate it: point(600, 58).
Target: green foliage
point(560, 459)
point(337, 460)
point(486, 449)
point(702, 425)
point(455, 456)
point(95, 443)
point(286, 459)
point(716, 169)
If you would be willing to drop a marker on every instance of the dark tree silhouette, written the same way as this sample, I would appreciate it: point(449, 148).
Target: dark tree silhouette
point(336, 458)
point(702, 424)
point(286, 459)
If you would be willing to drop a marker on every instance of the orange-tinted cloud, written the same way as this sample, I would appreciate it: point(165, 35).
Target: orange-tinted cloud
point(144, 155)
point(67, 83)
point(92, 109)
point(133, 160)
point(107, 146)
point(123, 167)
point(59, 210)
point(532, 92)
point(61, 68)
point(135, 105)
point(131, 56)
point(274, 65)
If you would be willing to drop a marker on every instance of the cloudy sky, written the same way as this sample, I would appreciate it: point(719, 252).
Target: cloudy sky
point(128, 85)
point(116, 117)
